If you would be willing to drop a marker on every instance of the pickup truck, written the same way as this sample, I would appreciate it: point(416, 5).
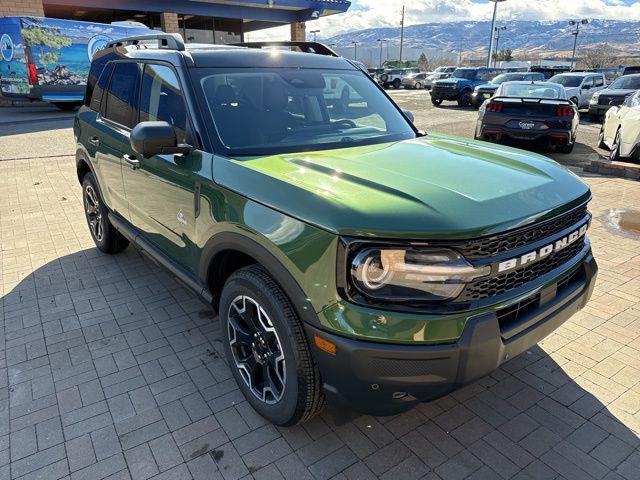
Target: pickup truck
point(459, 87)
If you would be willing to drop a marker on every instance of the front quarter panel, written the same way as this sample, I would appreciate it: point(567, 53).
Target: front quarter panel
point(305, 252)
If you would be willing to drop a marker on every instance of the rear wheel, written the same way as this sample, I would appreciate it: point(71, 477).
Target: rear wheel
point(465, 99)
point(418, 86)
point(267, 349)
point(397, 83)
point(104, 235)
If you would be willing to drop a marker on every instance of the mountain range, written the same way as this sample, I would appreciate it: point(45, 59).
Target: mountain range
point(532, 40)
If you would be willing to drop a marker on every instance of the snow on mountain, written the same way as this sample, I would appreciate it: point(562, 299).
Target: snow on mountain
point(470, 38)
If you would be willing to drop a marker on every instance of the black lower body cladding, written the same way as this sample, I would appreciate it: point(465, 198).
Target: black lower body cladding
point(386, 379)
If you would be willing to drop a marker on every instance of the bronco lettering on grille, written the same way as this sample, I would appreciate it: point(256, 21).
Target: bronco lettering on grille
point(542, 252)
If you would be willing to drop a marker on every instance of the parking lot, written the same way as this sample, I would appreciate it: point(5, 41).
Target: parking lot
point(110, 369)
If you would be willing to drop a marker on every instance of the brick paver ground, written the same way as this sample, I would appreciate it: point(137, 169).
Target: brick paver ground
point(110, 369)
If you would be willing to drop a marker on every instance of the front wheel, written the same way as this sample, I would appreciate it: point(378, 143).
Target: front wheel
point(614, 155)
point(436, 101)
point(397, 83)
point(601, 142)
point(267, 349)
point(418, 86)
point(465, 99)
point(104, 235)
point(66, 106)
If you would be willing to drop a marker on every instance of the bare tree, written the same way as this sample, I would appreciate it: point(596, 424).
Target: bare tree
point(600, 56)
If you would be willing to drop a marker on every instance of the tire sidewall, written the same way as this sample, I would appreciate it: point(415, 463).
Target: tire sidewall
point(281, 412)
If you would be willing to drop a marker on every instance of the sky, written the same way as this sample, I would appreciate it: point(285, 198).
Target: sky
point(386, 13)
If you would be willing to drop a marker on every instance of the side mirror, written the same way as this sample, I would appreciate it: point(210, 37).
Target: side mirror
point(408, 114)
point(156, 138)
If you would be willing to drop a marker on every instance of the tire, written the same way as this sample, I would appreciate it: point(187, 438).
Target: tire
point(436, 101)
point(614, 154)
point(66, 106)
point(575, 101)
point(105, 235)
point(601, 143)
point(397, 83)
point(465, 99)
point(384, 78)
point(294, 393)
point(568, 148)
point(418, 86)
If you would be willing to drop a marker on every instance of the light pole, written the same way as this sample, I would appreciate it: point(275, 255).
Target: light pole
point(401, 34)
point(381, 40)
point(493, 26)
point(498, 30)
point(577, 24)
point(315, 32)
point(355, 50)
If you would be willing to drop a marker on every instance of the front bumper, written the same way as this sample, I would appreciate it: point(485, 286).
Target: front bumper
point(439, 93)
point(385, 379)
point(478, 98)
point(597, 110)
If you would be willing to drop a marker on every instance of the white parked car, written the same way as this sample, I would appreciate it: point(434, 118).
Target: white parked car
point(580, 86)
point(620, 131)
point(438, 74)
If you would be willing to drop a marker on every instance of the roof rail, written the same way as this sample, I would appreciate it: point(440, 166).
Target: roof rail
point(307, 47)
point(170, 41)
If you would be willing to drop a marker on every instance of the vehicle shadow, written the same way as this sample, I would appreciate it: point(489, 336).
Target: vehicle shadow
point(93, 322)
point(20, 120)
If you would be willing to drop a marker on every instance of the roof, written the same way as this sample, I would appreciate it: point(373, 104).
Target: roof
point(239, 57)
point(578, 74)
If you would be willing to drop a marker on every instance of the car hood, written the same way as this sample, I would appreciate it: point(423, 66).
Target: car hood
point(488, 87)
point(432, 187)
point(450, 80)
point(617, 92)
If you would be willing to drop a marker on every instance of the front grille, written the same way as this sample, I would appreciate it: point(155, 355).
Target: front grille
point(611, 100)
point(508, 281)
point(444, 88)
point(512, 315)
point(495, 245)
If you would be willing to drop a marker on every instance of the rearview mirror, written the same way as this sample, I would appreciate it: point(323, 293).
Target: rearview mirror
point(156, 138)
point(408, 114)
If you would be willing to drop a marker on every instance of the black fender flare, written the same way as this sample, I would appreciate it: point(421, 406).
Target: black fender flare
point(241, 243)
point(82, 157)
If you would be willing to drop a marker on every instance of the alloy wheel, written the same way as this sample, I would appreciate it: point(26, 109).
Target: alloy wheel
point(615, 147)
point(256, 348)
point(94, 214)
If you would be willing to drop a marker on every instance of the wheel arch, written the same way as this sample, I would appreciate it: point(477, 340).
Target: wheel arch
point(226, 252)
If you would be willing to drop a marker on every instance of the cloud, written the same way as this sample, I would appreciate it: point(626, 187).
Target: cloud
point(380, 13)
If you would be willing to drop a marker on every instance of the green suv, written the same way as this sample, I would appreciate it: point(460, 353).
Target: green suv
point(350, 257)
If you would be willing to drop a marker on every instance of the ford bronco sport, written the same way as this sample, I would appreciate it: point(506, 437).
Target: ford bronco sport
point(349, 256)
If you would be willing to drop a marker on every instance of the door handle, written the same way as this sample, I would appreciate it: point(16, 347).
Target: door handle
point(134, 163)
point(94, 141)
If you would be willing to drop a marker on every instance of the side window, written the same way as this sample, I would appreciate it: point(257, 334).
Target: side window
point(587, 82)
point(161, 99)
point(98, 90)
point(599, 81)
point(636, 100)
point(122, 96)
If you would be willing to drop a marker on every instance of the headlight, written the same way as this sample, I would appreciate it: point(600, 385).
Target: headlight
point(595, 98)
point(397, 274)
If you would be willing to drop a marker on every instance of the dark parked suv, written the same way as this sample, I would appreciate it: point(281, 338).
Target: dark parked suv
point(348, 255)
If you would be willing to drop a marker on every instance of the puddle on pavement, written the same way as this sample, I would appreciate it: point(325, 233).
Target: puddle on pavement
point(624, 222)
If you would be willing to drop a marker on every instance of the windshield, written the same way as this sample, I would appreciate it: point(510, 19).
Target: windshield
point(567, 80)
point(266, 111)
point(530, 90)
point(440, 70)
point(507, 77)
point(626, 83)
point(466, 73)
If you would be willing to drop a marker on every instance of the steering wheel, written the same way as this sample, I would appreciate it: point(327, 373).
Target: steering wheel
point(344, 122)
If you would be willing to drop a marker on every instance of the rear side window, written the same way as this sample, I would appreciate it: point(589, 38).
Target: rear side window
point(122, 96)
point(599, 81)
point(161, 99)
point(97, 91)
